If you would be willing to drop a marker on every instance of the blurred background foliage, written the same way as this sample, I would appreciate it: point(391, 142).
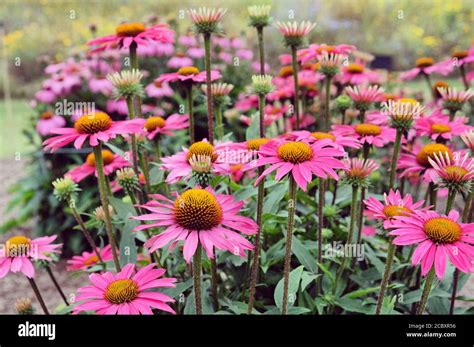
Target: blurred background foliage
point(41, 31)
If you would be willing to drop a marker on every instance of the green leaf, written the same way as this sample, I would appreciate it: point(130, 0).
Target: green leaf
point(361, 292)
point(354, 305)
point(128, 248)
point(272, 200)
point(252, 131)
point(122, 209)
point(180, 288)
point(303, 255)
point(293, 285)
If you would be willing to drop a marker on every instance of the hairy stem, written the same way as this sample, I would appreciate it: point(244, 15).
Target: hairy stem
point(189, 98)
point(105, 203)
point(38, 295)
point(210, 115)
point(56, 284)
point(296, 87)
point(426, 292)
point(197, 279)
point(386, 274)
point(396, 151)
point(289, 235)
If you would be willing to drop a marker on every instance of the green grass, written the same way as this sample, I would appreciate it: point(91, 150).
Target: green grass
point(12, 141)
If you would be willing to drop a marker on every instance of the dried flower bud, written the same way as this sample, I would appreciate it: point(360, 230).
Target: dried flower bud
point(24, 306)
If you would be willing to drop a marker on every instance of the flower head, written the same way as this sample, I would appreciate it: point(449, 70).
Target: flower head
point(127, 292)
point(189, 74)
point(315, 51)
point(127, 179)
point(88, 259)
point(363, 97)
point(48, 121)
point(65, 189)
point(127, 83)
point(294, 32)
point(357, 171)
point(403, 112)
point(156, 126)
point(453, 99)
point(206, 20)
point(259, 15)
point(199, 216)
point(301, 159)
point(439, 126)
point(100, 214)
point(455, 172)
point(416, 160)
point(330, 63)
point(19, 251)
point(111, 161)
point(179, 165)
point(262, 84)
point(369, 133)
point(392, 206)
point(437, 237)
point(343, 102)
point(93, 126)
point(341, 140)
point(427, 66)
point(133, 33)
point(220, 93)
point(24, 306)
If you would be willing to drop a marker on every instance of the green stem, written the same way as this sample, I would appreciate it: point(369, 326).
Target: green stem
point(327, 110)
point(428, 81)
point(289, 236)
point(452, 113)
point(210, 115)
point(320, 232)
point(349, 236)
point(343, 117)
point(143, 157)
point(38, 295)
point(189, 98)
point(109, 188)
point(450, 202)
point(433, 194)
point(197, 279)
point(463, 76)
point(219, 123)
point(362, 115)
point(158, 159)
point(468, 206)
point(56, 284)
point(260, 198)
point(261, 49)
point(426, 292)
point(131, 115)
point(386, 274)
point(454, 291)
point(396, 151)
point(296, 87)
point(215, 293)
point(86, 234)
point(105, 203)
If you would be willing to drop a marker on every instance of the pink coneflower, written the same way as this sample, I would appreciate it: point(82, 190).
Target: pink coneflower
point(340, 140)
point(358, 168)
point(300, 158)
point(364, 96)
point(94, 126)
point(271, 114)
point(62, 84)
point(394, 205)
point(454, 99)
point(101, 85)
point(179, 165)
point(189, 73)
point(315, 51)
point(468, 139)
point(178, 61)
point(112, 162)
point(196, 53)
point(155, 125)
point(88, 259)
point(207, 16)
point(128, 33)
point(285, 59)
point(416, 160)
point(127, 292)
point(357, 73)
point(48, 121)
point(295, 29)
point(438, 237)
point(155, 49)
point(369, 231)
point(439, 127)
point(199, 216)
point(158, 89)
point(427, 66)
point(188, 40)
point(45, 95)
point(456, 170)
point(19, 251)
point(372, 134)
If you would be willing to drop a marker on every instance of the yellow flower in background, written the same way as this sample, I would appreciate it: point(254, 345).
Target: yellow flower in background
point(12, 38)
point(430, 41)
